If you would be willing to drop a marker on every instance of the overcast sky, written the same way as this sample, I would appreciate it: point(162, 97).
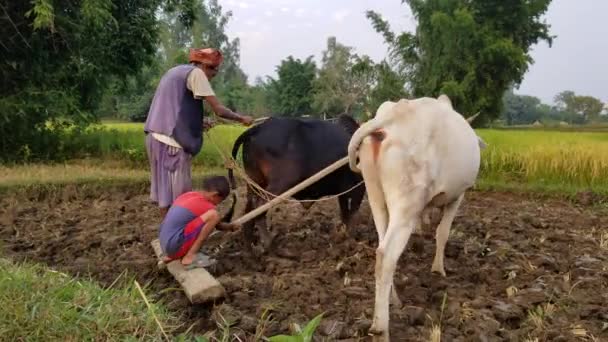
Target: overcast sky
point(271, 30)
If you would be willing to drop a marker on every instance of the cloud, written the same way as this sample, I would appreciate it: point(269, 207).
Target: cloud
point(268, 13)
point(243, 4)
point(285, 9)
point(300, 12)
point(251, 22)
point(340, 15)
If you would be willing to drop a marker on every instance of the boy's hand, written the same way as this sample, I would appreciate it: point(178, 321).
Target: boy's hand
point(227, 226)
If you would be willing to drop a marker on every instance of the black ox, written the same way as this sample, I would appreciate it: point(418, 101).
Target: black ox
point(281, 152)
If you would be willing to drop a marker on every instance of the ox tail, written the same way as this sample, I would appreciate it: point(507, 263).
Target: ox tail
point(235, 149)
point(360, 134)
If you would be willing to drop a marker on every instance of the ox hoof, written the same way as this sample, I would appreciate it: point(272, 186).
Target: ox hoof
point(267, 240)
point(378, 334)
point(438, 269)
point(395, 301)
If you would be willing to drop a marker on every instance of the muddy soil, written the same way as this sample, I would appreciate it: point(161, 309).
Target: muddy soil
point(519, 267)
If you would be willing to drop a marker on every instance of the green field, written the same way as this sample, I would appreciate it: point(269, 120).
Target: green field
point(538, 160)
point(533, 159)
point(554, 161)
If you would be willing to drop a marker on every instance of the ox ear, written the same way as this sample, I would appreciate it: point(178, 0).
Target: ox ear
point(445, 99)
point(348, 123)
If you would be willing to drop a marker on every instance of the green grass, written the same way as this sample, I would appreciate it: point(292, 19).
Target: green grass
point(83, 171)
point(39, 304)
point(125, 140)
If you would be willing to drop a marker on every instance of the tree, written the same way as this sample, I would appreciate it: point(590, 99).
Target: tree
point(58, 58)
point(291, 93)
point(588, 107)
point(344, 80)
point(565, 100)
point(389, 86)
point(470, 50)
point(521, 109)
point(207, 29)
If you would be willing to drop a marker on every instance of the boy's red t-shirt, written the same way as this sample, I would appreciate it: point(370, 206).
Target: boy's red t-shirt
point(183, 223)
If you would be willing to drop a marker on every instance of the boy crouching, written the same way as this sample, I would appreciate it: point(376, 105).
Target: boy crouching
point(190, 220)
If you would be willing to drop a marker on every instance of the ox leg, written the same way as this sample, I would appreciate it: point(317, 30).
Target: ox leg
point(403, 218)
point(377, 204)
point(442, 234)
point(252, 200)
point(350, 204)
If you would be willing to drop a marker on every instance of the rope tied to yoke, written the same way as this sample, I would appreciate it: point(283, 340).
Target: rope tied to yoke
point(231, 163)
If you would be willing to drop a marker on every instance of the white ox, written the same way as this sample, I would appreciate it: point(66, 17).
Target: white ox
point(414, 155)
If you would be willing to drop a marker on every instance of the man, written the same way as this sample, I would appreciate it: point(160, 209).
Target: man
point(175, 123)
point(191, 219)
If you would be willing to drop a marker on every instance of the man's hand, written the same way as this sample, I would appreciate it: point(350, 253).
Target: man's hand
point(246, 120)
point(226, 113)
point(208, 123)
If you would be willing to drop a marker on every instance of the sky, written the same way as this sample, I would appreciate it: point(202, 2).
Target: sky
point(271, 30)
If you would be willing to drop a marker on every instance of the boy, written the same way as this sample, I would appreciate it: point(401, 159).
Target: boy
point(190, 220)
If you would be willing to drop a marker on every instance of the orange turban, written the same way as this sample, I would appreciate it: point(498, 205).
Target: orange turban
point(206, 56)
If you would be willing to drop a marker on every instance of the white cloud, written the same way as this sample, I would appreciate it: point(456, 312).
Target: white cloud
point(340, 15)
point(231, 3)
point(243, 4)
point(268, 13)
point(285, 9)
point(251, 22)
point(300, 12)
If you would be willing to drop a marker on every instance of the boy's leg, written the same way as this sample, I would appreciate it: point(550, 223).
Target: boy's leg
point(198, 242)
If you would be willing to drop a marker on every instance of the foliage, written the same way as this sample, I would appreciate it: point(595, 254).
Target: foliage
point(473, 51)
point(175, 38)
point(291, 94)
point(303, 335)
point(586, 106)
point(344, 80)
point(389, 86)
point(58, 59)
point(521, 109)
point(569, 108)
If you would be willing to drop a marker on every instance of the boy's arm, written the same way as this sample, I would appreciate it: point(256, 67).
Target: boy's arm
point(211, 218)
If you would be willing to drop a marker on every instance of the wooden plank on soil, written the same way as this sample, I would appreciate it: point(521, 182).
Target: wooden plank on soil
point(198, 284)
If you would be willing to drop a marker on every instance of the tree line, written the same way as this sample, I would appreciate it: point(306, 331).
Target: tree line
point(68, 63)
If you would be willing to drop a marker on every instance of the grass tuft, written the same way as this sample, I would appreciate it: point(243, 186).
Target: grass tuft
point(41, 304)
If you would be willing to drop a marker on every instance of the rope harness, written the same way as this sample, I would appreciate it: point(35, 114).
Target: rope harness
point(231, 163)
